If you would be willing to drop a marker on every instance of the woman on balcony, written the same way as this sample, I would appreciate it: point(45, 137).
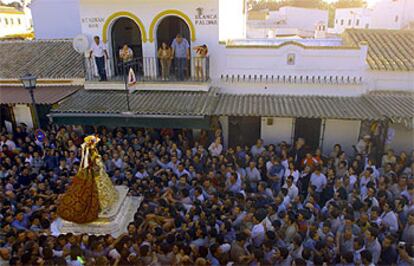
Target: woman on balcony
point(126, 54)
point(164, 54)
point(200, 61)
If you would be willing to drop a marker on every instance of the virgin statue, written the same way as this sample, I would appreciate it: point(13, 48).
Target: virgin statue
point(91, 191)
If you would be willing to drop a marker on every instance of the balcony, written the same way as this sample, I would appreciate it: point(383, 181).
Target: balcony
point(149, 71)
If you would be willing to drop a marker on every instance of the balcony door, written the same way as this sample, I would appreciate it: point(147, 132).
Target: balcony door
point(167, 30)
point(169, 27)
point(310, 130)
point(244, 130)
point(126, 31)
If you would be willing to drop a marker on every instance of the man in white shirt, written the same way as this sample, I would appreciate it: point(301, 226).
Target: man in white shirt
point(318, 179)
point(4, 140)
point(253, 175)
point(388, 217)
point(180, 171)
point(216, 148)
point(258, 148)
point(141, 173)
point(292, 189)
point(99, 52)
point(258, 230)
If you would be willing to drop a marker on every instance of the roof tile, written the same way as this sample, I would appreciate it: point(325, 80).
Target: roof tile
point(389, 50)
point(46, 59)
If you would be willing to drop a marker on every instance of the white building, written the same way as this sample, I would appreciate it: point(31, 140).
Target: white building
point(277, 89)
point(393, 14)
point(13, 22)
point(287, 20)
point(56, 19)
point(352, 18)
point(385, 14)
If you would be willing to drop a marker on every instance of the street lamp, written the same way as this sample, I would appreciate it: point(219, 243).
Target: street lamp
point(29, 83)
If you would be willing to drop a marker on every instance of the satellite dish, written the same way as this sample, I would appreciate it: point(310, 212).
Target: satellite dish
point(81, 43)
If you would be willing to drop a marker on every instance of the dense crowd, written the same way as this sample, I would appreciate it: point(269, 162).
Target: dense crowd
point(206, 205)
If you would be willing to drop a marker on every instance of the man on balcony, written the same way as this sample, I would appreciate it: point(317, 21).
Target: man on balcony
point(181, 53)
point(99, 51)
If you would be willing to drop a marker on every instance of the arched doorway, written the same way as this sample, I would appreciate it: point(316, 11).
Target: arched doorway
point(169, 27)
point(167, 30)
point(125, 31)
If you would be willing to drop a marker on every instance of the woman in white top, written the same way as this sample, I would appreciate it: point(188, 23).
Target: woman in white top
point(292, 171)
point(200, 61)
point(216, 148)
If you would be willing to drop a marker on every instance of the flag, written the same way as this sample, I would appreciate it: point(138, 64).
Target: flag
point(131, 78)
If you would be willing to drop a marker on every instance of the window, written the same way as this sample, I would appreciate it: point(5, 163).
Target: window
point(11, 21)
point(396, 18)
point(342, 22)
point(349, 22)
point(19, 21)
point(291, 59)
point(6, 20)
point(357, 22)
point(367, 26)
point(336, 21)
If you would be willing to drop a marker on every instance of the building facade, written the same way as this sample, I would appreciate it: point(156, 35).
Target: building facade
point(385, 14)
point(275, 89)
point(352, 18)
point(13, 22)
point(288, 20)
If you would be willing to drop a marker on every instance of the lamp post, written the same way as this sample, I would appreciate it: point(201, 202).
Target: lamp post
point(29, 83)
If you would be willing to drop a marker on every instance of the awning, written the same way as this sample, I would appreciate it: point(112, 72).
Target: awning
point(150, 103)
point(156, 109)
point(130, 120)
point(296, 106)
point(397, 106)
point(42, 94)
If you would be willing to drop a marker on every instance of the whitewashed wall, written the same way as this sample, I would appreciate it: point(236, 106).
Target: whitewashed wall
point(291, 89)
point(232, 19)
point(344, 132)
point(54, 19)
point(311, 62)
point(20, 24)
point(303, 18)
point(392, 14)
point(146, 11)
point(390, 80)
point(23, 114)
point(355, 18)
point(403, 139)
point(281, 130)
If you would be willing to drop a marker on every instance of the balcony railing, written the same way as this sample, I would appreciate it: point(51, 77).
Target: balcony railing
point(153, 69)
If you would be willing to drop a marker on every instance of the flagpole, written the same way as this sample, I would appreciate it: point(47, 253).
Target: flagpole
point(126, 87)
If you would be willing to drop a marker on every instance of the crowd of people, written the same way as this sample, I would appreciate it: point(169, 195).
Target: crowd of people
point(209, 205)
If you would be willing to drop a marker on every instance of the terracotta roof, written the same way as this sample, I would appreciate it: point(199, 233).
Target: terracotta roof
point(43, 95)
point(141, 102)
point(47, 59)
point(389, 50)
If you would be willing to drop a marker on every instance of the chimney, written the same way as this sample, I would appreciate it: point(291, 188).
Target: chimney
point(320, 30)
